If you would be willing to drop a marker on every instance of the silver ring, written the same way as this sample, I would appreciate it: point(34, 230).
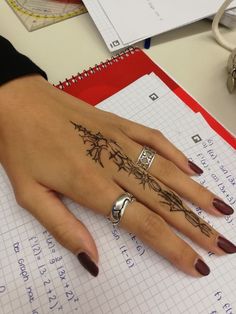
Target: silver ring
point(119, 206)
point(146, 158)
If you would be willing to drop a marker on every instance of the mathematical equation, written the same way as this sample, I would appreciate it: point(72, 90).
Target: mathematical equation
point(221, 302)
point(222, 176)
point(139, 247)
point(218, 174)
point(50, 266)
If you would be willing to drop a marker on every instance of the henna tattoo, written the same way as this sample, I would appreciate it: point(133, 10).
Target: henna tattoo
point(98, 144)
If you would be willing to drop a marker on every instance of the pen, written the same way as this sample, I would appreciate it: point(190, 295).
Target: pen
point(147, 43)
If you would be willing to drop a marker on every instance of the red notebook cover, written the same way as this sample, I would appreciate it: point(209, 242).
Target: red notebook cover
point(107, 78)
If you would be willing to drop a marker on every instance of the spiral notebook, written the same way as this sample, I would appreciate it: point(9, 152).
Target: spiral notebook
point(37, 275)
point(107, 78)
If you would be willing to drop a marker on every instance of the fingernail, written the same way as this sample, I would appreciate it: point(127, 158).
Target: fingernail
point(195, 168)
point(222, 207)
point(88, 264)
point(226, 245)
point(202, 268)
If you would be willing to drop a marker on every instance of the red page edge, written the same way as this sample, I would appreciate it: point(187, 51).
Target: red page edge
point(196, 107)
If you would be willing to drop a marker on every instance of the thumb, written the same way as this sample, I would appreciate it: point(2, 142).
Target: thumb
point(71, 233)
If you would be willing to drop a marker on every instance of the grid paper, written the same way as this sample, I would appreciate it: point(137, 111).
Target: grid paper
point(110, 36)
point(139, 280)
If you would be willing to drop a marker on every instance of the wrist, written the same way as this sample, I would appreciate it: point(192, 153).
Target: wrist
point(13, 92)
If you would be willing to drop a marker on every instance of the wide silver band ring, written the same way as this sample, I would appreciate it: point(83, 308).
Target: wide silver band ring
point(146, 158)
point(119, 206)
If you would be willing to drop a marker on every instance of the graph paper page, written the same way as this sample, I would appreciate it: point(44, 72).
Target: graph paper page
point(37, 275)
point(108, 32)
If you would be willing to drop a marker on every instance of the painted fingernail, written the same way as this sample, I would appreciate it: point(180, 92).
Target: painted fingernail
point(202, 268)
point(226, 245)
point(195, 168)
point(222, 207)
point(88, 264)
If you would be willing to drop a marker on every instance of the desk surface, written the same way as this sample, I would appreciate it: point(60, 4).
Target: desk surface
point(189, 54)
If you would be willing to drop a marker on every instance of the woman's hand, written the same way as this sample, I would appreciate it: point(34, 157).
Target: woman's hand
point(52, 144)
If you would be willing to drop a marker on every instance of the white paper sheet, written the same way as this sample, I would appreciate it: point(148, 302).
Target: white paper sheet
point(137, 19)
point(125, 22)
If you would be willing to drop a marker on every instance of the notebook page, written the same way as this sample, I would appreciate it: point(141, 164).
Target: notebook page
point(39, 276)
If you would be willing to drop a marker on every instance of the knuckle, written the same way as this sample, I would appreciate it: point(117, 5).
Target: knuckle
point(156, 133)
point(22, 197)
point(167, 168)
point(63, 232)
point(200, 190)
point(114, 120)
point(152, 225)
point(179, 255)
point(153, 135)
point(60, 230)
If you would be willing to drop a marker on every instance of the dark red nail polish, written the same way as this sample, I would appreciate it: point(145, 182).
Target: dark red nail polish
point(227, 246)
point(222, 207)
point(195, 168)
point(88, 264)
point(202, 268)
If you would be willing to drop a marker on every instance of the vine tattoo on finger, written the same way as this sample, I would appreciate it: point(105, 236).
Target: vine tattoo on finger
point(98, 144)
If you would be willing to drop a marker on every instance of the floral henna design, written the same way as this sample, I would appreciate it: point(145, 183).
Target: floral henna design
point(98, 144)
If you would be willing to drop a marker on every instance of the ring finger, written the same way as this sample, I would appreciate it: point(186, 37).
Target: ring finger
point(168, 173)
point(147, 225)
